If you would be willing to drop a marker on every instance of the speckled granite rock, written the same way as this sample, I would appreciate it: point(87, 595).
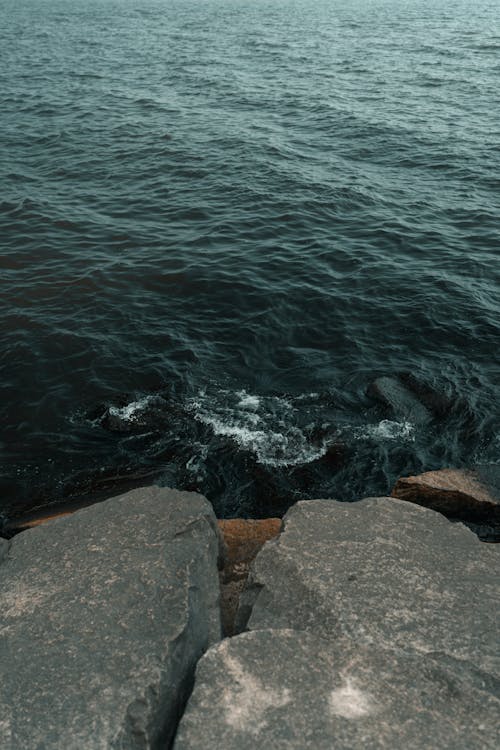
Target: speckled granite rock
point(103, 615)
point(371, 625)
point(290, 690)
point(381, 572)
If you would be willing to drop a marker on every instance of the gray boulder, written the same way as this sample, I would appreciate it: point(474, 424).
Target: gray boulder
point(371, 625)
point(380, 572)
point(290, 690)
point(103, 616)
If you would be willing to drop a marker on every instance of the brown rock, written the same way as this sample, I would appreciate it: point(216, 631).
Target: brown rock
point(454, 492)
point(242, 541)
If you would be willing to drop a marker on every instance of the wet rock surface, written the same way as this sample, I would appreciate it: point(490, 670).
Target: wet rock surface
point(401, 400)
point(103, 616)
point(290, 689)
point(436, 401)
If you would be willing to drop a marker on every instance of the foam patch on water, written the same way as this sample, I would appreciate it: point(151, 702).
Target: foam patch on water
point(142, 413)
point(131, 412)
point(264, 425)
point(247, 401)
point(387, 430)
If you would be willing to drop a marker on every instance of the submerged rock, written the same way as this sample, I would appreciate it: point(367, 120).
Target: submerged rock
point(401, 400)
point(243, 538)
point(290, 690)
point(435, 401)
point(454, 492)
point(334, 457)
point(104, 615)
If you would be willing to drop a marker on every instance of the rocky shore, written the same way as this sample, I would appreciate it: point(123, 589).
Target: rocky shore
point(142, 622)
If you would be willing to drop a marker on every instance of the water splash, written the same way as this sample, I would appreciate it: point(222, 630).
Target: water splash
point(264, 425)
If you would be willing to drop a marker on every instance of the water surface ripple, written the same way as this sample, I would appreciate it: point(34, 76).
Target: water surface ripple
point(219, 222)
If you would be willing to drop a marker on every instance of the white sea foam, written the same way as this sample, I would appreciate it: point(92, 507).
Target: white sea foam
point(263, 425)
point(131, 412)
point(247, 401)
point(387, 430)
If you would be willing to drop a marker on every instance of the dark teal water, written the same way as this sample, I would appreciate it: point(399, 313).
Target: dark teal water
point(220, 221)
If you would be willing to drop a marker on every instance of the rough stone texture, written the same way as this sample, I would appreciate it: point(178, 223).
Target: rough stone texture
point(103, 615)
point(400, 399)
point(242, 540)
point(454, 492)
point(374, 625)
point(381, 572)
point(290, 690)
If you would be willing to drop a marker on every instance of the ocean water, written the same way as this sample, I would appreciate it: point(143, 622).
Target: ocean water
point(220, 221)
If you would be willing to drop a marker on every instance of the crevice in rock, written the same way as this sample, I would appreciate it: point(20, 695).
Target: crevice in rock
point(184, 687)
point(241, 541)
point(244, 609)
point(486, 680)
point(173, 689)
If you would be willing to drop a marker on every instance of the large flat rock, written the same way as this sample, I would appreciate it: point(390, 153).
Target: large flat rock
point(380, 572)
point(290, 690)
point(103, 616)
